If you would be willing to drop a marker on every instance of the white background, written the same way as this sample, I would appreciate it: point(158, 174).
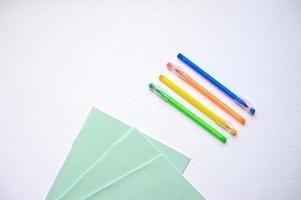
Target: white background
point(60, 58)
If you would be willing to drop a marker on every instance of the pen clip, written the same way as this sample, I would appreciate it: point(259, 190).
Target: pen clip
point(178, 71)
point(159, 91)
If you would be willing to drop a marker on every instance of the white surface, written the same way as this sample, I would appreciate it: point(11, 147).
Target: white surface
point(58, 59)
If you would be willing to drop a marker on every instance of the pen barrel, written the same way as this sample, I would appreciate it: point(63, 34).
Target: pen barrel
point(199, 121)
point(187, 112)
point(220, 121)
point(216, 101)
point(211, 130)
point(207, 76)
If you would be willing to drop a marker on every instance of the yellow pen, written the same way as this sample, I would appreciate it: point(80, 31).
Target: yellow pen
point(198, 105)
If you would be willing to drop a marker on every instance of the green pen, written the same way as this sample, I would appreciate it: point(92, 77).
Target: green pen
point(187, 112)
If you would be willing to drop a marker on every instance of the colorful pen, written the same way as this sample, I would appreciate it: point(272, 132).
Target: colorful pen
point(243, 103)
point(217, 119)
point(186, 112)
point(185, 77)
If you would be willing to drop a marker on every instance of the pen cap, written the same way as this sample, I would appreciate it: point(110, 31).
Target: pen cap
point(178, 71)
point(159, 91)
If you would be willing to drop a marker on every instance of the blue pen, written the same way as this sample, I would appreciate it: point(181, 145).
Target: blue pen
point(243, 103)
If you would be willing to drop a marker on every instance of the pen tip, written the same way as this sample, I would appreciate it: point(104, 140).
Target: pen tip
point(252, 111)
point(233, 131)
point(151, 86)
point(169, 65)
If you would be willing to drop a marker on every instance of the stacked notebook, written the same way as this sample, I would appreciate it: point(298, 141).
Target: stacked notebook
point(110, 160)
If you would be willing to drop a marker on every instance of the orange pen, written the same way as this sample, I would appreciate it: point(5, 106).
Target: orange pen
point(175, 69)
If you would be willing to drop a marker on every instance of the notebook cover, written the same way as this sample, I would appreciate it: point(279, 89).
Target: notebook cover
point(99, 133)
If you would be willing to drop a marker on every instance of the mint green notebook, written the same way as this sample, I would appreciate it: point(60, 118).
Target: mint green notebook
point(133, 152)
point(98, 136)
point(153, 181)
point(139, 185)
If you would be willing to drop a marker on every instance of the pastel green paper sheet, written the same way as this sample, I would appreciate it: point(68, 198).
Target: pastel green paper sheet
point(133, 152)
point(152, 181)
point(98, 135)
